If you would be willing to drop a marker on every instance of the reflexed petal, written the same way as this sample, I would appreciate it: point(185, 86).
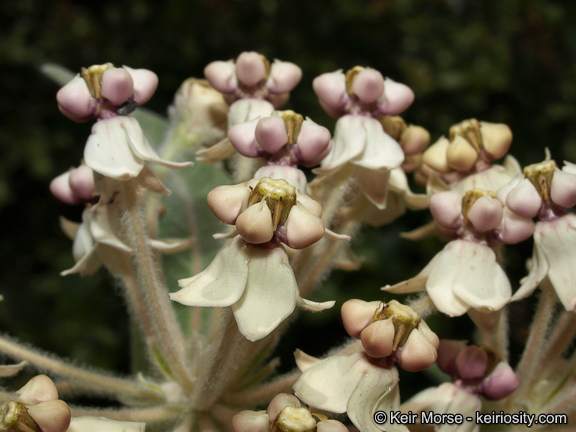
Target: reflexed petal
point(313, 306)
point(304, 361)
point(417, 283)
point(381, 150)
point(538, 269)
point(140, 145)
point(108, 150)
point(99, 424)
point(557, 240)
point(329, 384)
point(103, 224)
point(468, 275)
point(349, 142)
point(244, 110)
point(221, 284)
point(270, 294)
point(374, 184)
point(377, 391)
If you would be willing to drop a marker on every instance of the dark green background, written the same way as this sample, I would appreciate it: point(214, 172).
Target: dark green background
point(510, 61)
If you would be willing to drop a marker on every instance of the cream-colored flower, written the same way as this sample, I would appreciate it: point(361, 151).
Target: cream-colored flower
point(257, 282)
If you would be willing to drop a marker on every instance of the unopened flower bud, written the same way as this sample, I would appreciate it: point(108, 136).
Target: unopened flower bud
point(500, 383)
point(496, 139)
point(414, 139)
point(292, 419)
point(486, 213)
point(251, 421)
point(524, 199)
point(461, 155)
point(368, 85)
point(472, 363)
point(435, 156)
point(251, 68)
point(51, 416)
point(563, 189)
point(38, 389)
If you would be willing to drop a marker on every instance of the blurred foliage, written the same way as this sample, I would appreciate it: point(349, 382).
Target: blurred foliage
point(511, 61)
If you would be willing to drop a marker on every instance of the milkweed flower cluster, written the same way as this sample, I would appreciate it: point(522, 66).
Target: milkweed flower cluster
point(209, 366)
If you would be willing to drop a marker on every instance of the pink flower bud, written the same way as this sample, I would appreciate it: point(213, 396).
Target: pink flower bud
point(255, 223)
point(448, 350)
point(82, 182)
point(446, 208)
point(74, 100)
point(563, 189)
point(243, 138)
point(117, 85)
point(279, 402)
point(38, 389)
point(368, 85)
point(251, 421)
point(270, 134)
point(419, 352)
point(313, 143)
point(145, 84)
point(303, 228)
point(222, 76)
point(515, 229)
point(250, 68)
point(227, 202)
point(397, 97)
point(500, 383)
point(471, 363)
point(284, 76)
point(486, 214)
point(330, 88)
point(357, 315)
point(378, 338)
point(524, 199)
point(51, 416)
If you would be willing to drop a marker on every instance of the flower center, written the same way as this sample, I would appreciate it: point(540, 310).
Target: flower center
point(470, 197)
point(540, 175)
point(93, 77)
point(292, 419)
point(404, 318)
point(470, 131)
point(279, 195)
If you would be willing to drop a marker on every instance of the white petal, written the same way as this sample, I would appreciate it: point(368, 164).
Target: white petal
point(140, 145)
point(314, 306)
point(381, 150)
point(270, 294)
point(221, 284)
point(557, 239)
point(104, 224)
point(304, 361)
point(538, 271)
point(349, 142)
point(244, 110)
point(9, 370)
point(374, 184)
point(377, 391)
point(99, 424)
point(329, 384)
point(417, 283)
point(108, 151)
point(467, 275)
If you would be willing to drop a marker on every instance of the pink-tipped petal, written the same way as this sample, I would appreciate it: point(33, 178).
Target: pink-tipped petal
point(368, 85)
point(471, 363)
point(446, 208)
point(145, 84)
point(251, 421)
point(243, 137)
point(284, 76)
point(330, 89)
point(117, 85)
point(75, 101)
point(515, 229)
point(417, 354)
point(222, 76)
point(378, 338)
point(486, 214)
point(397, 97)
point(51, 416)
point(313, 142)
point(271, 134)
point(250, 68)
point(38, 389)
point(357, 315)
point(82, 182)
point(563, 189)
point(524, 199)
